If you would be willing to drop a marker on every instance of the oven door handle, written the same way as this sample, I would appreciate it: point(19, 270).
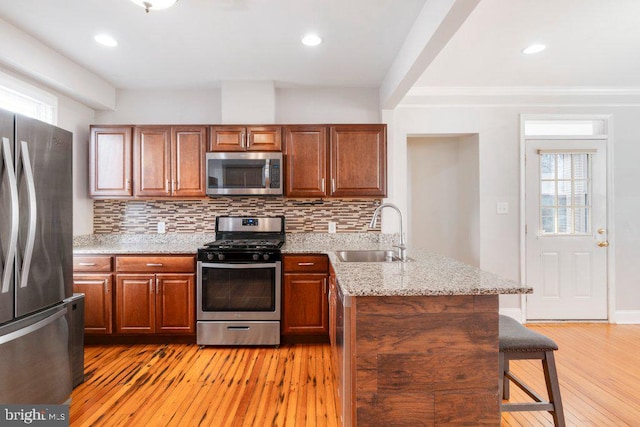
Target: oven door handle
point(240, 266)
point(238, 328)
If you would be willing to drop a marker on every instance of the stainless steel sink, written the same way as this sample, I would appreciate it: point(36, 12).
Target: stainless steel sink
point(367, 256)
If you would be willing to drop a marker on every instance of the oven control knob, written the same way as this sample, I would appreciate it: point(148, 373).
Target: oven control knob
point(220, 257)
point(255, 257)
point(265, 257)
point(210, 257)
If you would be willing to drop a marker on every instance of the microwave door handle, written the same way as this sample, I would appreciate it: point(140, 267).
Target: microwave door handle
point(5, 152)
point(267, 171)
point(33, 216)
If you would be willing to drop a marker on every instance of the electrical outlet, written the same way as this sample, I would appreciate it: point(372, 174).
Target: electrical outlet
point(332, 227)
point(162, 228)
point(502, 208)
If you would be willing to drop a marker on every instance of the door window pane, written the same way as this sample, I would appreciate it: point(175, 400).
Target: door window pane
point(565, 200)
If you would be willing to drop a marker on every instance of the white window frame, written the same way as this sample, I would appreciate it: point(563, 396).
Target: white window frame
point(43, 105)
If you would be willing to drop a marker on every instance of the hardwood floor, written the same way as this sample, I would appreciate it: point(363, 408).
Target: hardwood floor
point(181, 385)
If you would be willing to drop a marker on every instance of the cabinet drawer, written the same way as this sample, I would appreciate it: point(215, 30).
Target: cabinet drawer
point(306, 263)
point(91, 263)
point(156, 264)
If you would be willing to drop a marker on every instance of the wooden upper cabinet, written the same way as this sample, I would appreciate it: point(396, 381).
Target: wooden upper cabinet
point(169, 161)
point(151, 160)
point(358, 160)
point(110, 161)
point(188, 148)
point(306, 153)
point(245, 138)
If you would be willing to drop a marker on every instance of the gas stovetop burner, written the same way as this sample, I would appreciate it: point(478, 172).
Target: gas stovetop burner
point(245, 244)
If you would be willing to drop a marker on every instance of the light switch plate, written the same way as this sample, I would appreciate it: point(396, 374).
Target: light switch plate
point(502, 208)
point(162, 228)
point(332, 227)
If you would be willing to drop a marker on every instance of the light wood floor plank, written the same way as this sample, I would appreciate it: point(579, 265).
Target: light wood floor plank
point(183, 385)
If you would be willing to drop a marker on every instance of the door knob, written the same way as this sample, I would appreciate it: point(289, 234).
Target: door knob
point(603, 244)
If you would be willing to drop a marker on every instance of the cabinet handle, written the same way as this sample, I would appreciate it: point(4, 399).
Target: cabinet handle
point(106, 286)
point(157, 286)
point(306, 264)
point(151, 264)
point(322, 184)
point(324, 286)
point(150, 286)
point(333, 185)
point(87, 264)
point(242, 142)
point(168, 189)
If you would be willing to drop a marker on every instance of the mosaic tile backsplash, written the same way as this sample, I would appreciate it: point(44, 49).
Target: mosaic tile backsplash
point(198, 216)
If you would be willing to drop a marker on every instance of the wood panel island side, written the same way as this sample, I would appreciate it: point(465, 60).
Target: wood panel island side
point(416, 343)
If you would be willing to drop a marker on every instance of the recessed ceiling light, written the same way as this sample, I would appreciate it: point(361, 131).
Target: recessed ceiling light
point(106, 40)
point(155, 4)
point(311, 40)
point(534, 48)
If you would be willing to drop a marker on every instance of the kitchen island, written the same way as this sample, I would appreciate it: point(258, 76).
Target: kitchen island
point(415, 343)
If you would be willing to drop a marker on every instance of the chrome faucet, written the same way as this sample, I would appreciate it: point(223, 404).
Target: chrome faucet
point(402, 247)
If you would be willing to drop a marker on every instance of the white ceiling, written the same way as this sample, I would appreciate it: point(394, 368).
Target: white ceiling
point(199, 43)
point(590, 43)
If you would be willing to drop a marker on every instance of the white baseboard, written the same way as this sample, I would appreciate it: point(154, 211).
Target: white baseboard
point(516, 313)
point(627, 317)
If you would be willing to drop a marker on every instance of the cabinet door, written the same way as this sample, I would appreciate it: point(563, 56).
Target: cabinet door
point(305, 305)
point(110, 162)
point(98, 291)
point(227, 138)
point(306, 152)
point(188, 147)
point(175, 308)
point(135, 303)
point(151, 159)
point(264, 138)
point(358, 160)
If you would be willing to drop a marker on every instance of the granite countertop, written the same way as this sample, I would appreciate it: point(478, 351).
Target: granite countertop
point(425, 274)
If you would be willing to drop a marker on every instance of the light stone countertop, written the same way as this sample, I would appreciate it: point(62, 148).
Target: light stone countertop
point(425, 274)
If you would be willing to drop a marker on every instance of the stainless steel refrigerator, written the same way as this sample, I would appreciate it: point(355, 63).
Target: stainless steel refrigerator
point(35, 261)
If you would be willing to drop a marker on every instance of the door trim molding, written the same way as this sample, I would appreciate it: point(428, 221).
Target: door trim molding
point(608, 137)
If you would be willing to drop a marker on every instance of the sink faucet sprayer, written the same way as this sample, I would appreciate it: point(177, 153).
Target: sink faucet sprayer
point(402, 247)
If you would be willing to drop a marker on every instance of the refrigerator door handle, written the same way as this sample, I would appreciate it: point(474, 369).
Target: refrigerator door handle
point(13, 237)
point(33, 215)
point(32, 328)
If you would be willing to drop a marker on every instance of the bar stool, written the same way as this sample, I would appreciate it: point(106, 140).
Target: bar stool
point(516, 342)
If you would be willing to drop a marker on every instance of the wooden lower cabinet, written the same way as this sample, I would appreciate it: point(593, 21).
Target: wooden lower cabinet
point(138, 295)
point(98, 291)
point(135, 303)
point(155, 303)
point(305, 304)
point(175, 307)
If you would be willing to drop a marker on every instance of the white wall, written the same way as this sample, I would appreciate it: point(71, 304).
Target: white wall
point(327, 105)
point(497, 127)
point(76, 118)
point(159, 106)
point(443, 194)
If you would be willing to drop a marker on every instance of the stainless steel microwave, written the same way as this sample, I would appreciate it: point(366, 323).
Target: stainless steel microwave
point(246, 173)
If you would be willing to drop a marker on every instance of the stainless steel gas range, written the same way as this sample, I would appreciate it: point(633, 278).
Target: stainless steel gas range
point(239, 285)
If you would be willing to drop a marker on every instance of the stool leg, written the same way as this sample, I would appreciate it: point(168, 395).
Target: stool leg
point(505, 380)
point(501, 379)
point(553, 387)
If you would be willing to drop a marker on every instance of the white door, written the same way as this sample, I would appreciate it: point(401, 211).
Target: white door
point(566, 229)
